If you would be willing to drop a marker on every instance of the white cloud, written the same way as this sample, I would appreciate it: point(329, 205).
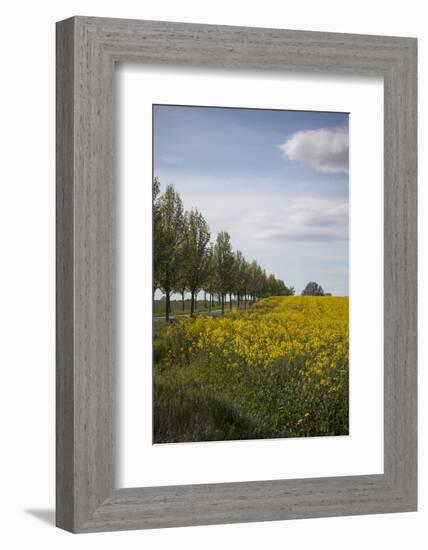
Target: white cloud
point(299, 236)
point(308, 219)
point(259, 219)
point(326, 150)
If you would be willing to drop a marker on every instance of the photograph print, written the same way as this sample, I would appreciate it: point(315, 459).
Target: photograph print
point(250, 274)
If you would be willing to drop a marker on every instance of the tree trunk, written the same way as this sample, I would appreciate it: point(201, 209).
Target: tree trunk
point(230, 301)
point(192, 304)
point(238, 299)
point(210, 302)
point(222, 304)
point(196, 301)
point(167, 306)
point(205, 299)
point(182, 301)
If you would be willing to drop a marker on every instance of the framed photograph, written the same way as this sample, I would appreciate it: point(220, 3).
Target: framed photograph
point(236, 274)
point(245, 357)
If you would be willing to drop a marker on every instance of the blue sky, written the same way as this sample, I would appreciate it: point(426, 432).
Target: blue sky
point(277, 181)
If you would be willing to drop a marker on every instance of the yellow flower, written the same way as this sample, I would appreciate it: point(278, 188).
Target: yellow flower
point(311, 333)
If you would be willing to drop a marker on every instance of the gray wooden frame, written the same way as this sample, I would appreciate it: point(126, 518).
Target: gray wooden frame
point(87, 50)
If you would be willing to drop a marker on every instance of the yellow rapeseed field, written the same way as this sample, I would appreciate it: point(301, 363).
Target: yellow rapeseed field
point(279, 369)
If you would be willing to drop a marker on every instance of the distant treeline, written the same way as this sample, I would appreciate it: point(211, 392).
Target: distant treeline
point(314, 289)
point(186, 260)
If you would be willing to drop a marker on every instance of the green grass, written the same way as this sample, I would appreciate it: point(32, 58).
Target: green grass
point(197, 404)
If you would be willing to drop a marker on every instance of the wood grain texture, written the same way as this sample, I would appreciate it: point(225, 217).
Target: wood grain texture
point(87, 49)
point(64, 276)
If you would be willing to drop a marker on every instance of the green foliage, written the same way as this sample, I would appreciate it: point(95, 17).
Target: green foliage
point(157, 242)
point(184, 260)
point(223, 262)
point(196, 253)
point(204, 401)
point(313, 289)
point(169, 227)
point(185, 410)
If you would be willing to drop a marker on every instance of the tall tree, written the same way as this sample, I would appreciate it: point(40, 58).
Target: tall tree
point(181, 283)
point(223, 261)
point(245, 280)
point(238, 280)
point(233, 275)
point(196, 254)
point(210, 280)
point(273, 286)
point(169, 238)
point(256, 282)
point(156, 230)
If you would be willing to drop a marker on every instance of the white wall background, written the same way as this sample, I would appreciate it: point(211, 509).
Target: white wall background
point(27, 273)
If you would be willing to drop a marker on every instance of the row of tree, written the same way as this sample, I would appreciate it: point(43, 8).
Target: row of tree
point(185, 259)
